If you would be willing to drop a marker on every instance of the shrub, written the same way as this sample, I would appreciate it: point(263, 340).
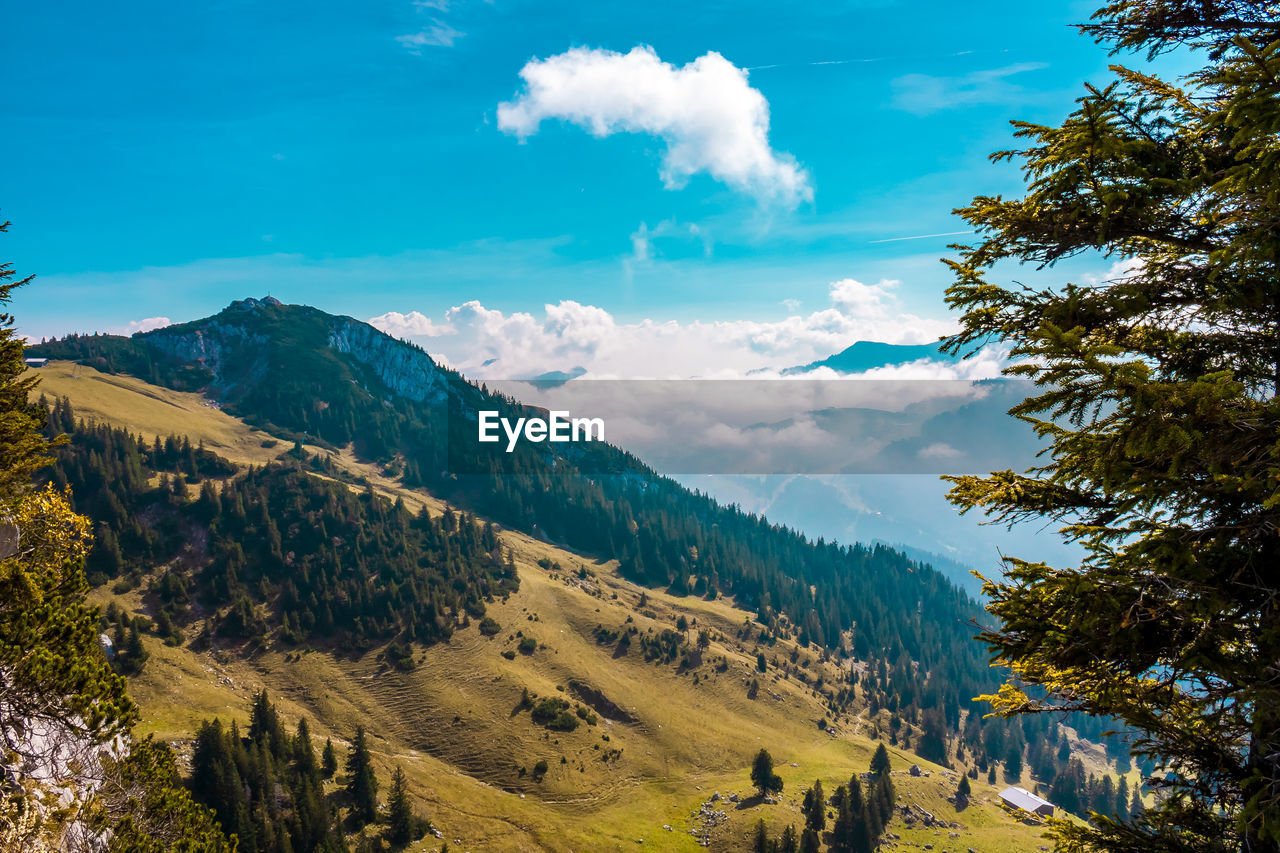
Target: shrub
point(553, 713)
point(401, 657)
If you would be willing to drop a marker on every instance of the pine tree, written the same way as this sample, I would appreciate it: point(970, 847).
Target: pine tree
point(762, 776)
point(932, 745)
point(815, 807)
point(362, 784)
point(760, 838)
point(328, 760)
point(304, 754)
point(23, 447)
point(1157, 390)
point(1136, 806)
point(788, 841)
point(135, 654)
point(1013, 763)
point(399, 810)
point(880, 761)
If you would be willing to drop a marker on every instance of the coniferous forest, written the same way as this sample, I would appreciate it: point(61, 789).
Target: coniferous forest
point(275, 547)
point(266, 786)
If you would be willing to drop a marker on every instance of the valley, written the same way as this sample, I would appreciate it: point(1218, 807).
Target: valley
point(451, 722)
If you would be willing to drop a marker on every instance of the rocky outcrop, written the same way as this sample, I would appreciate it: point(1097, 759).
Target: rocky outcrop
point(212, 344)
point(406, 370)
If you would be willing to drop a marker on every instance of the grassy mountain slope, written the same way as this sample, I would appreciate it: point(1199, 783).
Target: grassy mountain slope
point(450, 721)
point(152, 410)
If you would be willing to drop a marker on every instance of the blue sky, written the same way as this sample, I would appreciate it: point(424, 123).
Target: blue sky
point(162, 159)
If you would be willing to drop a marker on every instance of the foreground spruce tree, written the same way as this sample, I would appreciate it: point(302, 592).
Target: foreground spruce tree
point(1158, 392)
point(71, 772)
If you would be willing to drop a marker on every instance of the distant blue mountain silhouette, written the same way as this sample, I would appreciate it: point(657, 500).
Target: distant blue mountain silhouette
point(556, 378)
point(868, 355)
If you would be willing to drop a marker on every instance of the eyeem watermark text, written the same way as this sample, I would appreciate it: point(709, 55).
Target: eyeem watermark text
point(558, 426)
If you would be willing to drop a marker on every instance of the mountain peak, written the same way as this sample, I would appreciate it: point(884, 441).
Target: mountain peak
point(257, 347)
point(251, 304)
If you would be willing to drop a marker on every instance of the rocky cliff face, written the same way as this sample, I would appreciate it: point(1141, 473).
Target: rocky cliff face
point(406, 370)
point(213, 343)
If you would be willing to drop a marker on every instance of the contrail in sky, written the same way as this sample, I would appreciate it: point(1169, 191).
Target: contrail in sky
point(922, 236)
point(871, 59)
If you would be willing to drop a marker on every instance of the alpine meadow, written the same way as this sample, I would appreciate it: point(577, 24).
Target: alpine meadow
point(303, 551)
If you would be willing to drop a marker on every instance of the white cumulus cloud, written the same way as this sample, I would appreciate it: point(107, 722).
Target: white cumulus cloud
point(148, 324)
point(708, 115)
point(488, 343)
point(413, 324)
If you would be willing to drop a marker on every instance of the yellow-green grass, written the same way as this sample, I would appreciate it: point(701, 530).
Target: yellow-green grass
point(450, 722)
point(152, 411)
